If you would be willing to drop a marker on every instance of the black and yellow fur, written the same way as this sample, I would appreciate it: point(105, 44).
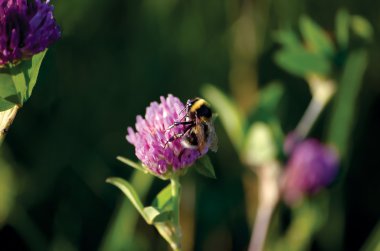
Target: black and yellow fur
point(199, 131)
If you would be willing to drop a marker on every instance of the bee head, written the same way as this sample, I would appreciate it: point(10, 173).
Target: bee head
point(200, 108)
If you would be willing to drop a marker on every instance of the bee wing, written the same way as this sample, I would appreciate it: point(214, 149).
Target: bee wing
point(213, 138)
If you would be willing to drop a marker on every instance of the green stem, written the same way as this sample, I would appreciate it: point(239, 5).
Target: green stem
point(176, 196)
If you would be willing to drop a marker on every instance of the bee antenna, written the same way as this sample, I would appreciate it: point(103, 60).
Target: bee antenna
point(188, 104)
point(182, 110)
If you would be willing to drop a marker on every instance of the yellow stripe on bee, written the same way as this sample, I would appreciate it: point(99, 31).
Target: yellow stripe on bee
point(198, 105)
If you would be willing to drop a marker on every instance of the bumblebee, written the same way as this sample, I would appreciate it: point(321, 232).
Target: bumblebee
point(199, 132)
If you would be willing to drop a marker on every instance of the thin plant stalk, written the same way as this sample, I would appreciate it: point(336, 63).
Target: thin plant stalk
point(322, 91)
point(176, 195)
point(311, 114)
point(268, 197)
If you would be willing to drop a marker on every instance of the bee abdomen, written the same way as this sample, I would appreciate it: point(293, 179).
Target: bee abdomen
point(192, 139)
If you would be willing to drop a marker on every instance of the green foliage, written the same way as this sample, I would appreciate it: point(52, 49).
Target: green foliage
point(316, 39)
point(311, 56)
point(288, 39)
point(121, 233)
point(162, 206)
point(301, 62)
point(270, 97)
point(345, 104)
point(267, 107)
point(131, 163)
point(130, 192)
point(156, 216)
point(164, 211)
point(362, 27)
point(262, 142)
point(140, 167)
point(151, 214)
point(163, 200)
point(228, 112)
point(342, 26)
point(18, 81)
point(8, 92)
point(205, 167)
point(160, 213)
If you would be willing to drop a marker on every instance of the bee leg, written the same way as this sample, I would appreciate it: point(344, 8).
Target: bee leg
point(177, 123)
point(178, 135)
point(174, 137)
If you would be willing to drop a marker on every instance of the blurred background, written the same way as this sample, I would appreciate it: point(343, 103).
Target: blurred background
point(115, 57)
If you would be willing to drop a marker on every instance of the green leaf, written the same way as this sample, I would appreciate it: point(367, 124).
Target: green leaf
point(121, 230)
point(342, 26)
point(205, 167)
point(5, 105)
point(130, 192)
point(132, 164)
point(270, 96)
point(141, 167)
point(156, 216)
point(6, 87)
point(315, 37)
point(18, 81)
point(8, 92)
point(362, 27)
point(288, 39)
point(266, 110)
point(229, 113)
point(34, 70)
point(345, 105)
point(24, 76)
point(301, 62)
point(163, 200)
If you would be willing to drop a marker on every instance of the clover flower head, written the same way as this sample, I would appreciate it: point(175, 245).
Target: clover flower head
point(311, 166)
point(27, 27)
point(151, 138)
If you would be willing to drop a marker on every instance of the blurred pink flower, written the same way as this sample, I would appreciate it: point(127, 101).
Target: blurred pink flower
point(311, 166)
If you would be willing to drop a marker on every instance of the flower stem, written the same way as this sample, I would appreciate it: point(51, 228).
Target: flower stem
point(311, 114)
point(268, 197)
point(322, 91)
point(6, 119)
point(176, 196)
